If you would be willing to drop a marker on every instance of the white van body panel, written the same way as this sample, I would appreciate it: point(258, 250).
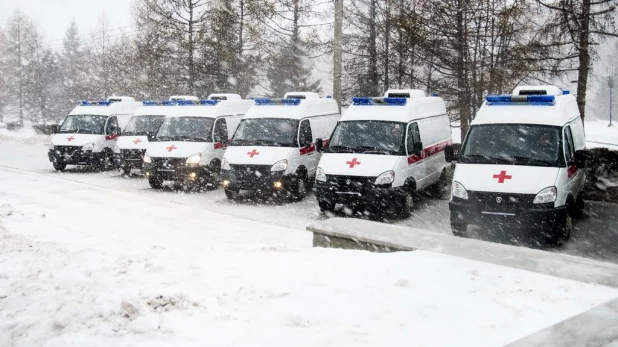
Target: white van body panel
point(257, 155)
point(76, 139)
point(141, 142)
point(132, 142)
point(528, 179)
point(230, 110)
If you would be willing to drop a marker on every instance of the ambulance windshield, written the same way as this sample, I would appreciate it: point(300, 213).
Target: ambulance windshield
point(277, 132)
point(516, 144)
point(83, 124)
point(143, 125)
point(368, 136)
point(190, 129)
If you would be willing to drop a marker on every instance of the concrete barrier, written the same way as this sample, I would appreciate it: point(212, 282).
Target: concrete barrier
point(351, 233)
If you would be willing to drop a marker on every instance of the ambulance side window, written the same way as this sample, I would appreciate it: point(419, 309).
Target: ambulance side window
point(413, 137)
point(220, 134)
point(305, 137)
point(112, 126)
point(568, 144)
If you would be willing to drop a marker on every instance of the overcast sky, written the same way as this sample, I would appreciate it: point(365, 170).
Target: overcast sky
point(53, 16)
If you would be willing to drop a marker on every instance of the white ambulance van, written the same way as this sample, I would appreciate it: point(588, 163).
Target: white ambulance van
point(522, 165)
point(132, 144)
point(89, 134)
point(275, 148)
point(190, 143)
point(383, 152)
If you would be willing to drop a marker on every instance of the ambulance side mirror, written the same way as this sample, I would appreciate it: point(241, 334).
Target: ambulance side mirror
point(150, 137)
point(449, 154)
point(579, 159)
point(318, 145)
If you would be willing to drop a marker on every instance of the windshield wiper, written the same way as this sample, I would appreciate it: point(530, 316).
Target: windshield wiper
point(240, 142)
point(340, 149)
point(485, 158)
point(191, 138)
point(162, 138)
point(374, 150)
point(528, 160)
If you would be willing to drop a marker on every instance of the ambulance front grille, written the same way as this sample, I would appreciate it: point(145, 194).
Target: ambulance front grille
point(66, 150)
point(501, 202)
point(168, 163)
point(133, 154)
point(244, 172)
point(350, 183)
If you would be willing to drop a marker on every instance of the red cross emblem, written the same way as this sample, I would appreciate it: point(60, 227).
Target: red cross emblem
point(70, 138)
point(171, 148)
point(353, 162)
point(503, 176)
point(137, 141)
point(253, 153)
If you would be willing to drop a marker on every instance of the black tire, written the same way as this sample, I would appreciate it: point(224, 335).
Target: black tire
point(126, 170)
point(562, 232)
point(215, 176)
point(325, 206)
point(407, 205)
point(300, 189)
point(577, 211)
point(438, 188)
point(459, 229)
point(155, 182)
point(106, 162)
point(231, 194)
point(59, 166)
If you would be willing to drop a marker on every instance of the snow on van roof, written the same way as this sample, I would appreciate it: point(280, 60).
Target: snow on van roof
point(394, 109)
point(107, 107)
point(537, 90)
point(121, 99)
point(292, 109)
point(554, 110)
point(210, 108)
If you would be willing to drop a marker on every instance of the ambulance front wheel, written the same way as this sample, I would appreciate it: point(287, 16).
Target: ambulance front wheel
point(231, 194)
point(126, 170)
point(325, 206)
point(300, 188)
point(459, 229)
point(155, 182)
point(59, 166)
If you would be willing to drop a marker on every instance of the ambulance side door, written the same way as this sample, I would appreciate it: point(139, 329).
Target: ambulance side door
point(574, 176)
point(112, 131)
point(220, 136)
point(416, 165)
point(307, 150)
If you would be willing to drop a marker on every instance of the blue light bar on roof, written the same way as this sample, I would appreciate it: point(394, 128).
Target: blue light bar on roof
point(95, 103)
point(395, 101)
point(186, 102)
point(148, 103)
point(566, 92)
point(535, 100)
point(210, 102)
point(362, 100)
point(268, 101)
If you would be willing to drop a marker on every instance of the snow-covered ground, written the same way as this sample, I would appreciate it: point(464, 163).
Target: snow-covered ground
point(598, 134)
point(96, 259)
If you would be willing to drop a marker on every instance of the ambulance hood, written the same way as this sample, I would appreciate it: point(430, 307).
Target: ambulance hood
point(515, 179)
point(256, 155)
point(75, 139)
point(176, 149)
point(357, 164)
point(133, 142)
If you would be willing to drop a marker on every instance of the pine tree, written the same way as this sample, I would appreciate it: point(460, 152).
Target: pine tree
point(74, 70)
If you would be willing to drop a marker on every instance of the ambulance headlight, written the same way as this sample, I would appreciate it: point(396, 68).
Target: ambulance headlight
point(117, 149)
point(88, 147)
point(194, 159)
point(546, 195)
point(459, 191)
point(385, 178)
point(320, 176)
point(225, 165)
point(281, 165)
point(147, 159)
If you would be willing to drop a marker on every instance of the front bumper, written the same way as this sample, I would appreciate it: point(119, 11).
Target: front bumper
point(530, 217)
point(376, 199)
point(74, 156)
point(176, 170)
point(258, 179)
point(132, 159)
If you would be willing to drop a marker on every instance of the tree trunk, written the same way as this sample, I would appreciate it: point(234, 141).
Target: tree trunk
point(338, 52)
point(373, 51)
point(584, 58)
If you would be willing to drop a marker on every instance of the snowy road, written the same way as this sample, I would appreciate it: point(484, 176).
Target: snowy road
point(94, 259)
point(596, 236)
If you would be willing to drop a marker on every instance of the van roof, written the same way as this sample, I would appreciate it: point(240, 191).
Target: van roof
point(210, 108)
point(292, 108)
point(106, 107)
point(394, 109)
point(224, 96)
point(555, 110)
point(183, 97)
